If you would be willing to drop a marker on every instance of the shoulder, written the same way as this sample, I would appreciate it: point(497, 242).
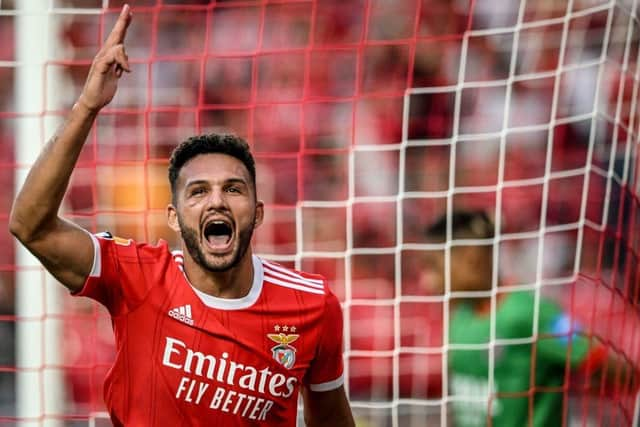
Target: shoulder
point(516, 308)
point(518, 300)
point(524, 302)
point(294, 280)
point(521, 306)
point(125, 248)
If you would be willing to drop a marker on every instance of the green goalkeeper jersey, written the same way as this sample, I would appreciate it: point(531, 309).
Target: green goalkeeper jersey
point(514, 375)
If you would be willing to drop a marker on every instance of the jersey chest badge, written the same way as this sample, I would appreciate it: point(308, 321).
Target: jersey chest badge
point(284, 353)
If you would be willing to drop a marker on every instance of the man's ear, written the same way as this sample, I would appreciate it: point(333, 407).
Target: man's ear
point(259, 213)
point(172, 218)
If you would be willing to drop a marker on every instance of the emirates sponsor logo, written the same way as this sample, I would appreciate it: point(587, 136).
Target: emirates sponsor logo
point(241, 389)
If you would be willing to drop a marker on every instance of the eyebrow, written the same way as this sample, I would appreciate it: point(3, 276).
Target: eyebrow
point(236, 181)
point(226, 181)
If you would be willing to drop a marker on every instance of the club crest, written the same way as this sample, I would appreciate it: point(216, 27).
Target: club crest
point(284, 353)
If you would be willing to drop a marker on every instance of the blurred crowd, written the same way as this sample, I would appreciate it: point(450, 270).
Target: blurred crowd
point(353, 109)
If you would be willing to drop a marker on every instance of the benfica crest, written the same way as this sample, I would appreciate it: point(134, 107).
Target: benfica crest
point(283, 353)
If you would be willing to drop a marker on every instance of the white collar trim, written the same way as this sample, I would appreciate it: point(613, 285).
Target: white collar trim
point(235, 303)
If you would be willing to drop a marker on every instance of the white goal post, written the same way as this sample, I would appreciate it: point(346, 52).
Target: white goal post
point(40, 389)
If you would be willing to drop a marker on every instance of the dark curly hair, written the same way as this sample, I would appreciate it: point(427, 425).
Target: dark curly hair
point(219, 143)
point(472, 224)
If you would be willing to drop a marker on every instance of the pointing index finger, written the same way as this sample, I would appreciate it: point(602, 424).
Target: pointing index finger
point(119, 30)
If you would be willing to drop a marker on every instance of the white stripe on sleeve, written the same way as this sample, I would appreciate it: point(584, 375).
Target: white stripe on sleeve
point(96, 269)
point(328, 386)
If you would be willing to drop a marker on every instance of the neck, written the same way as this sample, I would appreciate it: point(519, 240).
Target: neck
point(233, 283)
point(481, 306)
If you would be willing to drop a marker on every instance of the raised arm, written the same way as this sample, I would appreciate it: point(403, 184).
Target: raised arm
point(64, 248)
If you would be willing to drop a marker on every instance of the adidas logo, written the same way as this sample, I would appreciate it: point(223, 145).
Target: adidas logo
point(182, 313)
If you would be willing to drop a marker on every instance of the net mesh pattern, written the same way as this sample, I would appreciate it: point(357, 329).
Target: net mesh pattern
point(368, 119)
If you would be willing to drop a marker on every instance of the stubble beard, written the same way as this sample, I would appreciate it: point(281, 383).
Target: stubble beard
point(191, 238)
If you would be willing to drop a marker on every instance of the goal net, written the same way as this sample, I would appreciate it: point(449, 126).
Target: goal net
point(369, 119)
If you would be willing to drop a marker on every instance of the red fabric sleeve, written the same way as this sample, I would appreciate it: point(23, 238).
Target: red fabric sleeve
point(326, 370)
point(124, 271)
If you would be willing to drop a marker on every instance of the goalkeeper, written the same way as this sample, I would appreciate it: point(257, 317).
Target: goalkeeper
point(528, 379)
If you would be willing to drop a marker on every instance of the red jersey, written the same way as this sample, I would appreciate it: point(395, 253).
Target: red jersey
point(187, 358)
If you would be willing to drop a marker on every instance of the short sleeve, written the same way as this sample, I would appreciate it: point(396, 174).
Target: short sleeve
point(560, 336)
point(124, 271)
point(326, 370)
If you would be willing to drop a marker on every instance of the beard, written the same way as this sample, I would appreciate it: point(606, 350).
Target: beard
point(191, 238)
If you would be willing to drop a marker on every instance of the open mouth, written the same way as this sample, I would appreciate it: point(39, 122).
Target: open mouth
point(218, 234)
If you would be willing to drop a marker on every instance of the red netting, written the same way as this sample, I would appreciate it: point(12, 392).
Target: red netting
point(368, 119)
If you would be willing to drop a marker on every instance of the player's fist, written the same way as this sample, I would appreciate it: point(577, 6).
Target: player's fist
point(107, 66)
